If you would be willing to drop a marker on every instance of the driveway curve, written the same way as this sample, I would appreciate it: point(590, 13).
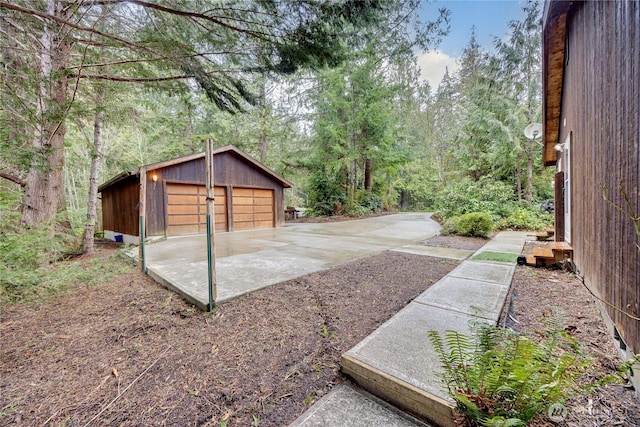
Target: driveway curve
point(253, 259)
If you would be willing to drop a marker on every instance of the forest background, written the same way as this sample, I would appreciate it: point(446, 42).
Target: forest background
point(327, 94)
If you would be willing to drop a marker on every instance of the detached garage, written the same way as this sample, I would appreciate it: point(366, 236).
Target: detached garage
point(248, 195)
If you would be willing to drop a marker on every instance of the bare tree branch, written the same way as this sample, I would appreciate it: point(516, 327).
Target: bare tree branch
point(62, 21)
point(113, 78)
point(197, 15)
point(161, 58)
point(13, 178)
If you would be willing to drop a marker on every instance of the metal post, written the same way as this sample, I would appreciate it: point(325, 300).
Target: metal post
point(211, 249)
point(143, 261)
point(141, 212)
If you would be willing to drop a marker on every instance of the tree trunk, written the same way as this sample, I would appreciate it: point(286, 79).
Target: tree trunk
point(529, 184)
point(441, 163)
point(354, 166)
point(518, 181)
point(44, 192)
point(368, 175)
point(262, 141)
point(262, 138)
point(96, 160)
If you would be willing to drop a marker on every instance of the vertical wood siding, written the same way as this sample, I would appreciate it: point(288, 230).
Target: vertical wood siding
point(120, 207)
point(229, 169)
point(600, 103)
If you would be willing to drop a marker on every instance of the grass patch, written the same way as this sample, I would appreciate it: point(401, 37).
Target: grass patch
point(496, 256)
point(40, 283)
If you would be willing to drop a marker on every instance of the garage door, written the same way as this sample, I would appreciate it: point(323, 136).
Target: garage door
point(252, 208)
point(187, 209)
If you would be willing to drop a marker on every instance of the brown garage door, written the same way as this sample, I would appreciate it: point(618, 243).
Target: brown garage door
point(252, 208)
point(187, 209)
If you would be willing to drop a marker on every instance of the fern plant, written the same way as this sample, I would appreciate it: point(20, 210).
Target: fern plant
point(500, 378)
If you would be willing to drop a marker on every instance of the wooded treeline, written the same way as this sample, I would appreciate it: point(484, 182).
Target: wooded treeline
point(328, 94)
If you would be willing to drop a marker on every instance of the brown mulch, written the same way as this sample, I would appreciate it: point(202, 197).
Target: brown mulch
point(129, 352)
point(539, 293)
point(456, 242)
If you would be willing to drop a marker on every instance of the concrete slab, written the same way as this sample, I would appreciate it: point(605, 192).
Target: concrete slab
point(508, 247)
point(350, 407)
point(435, 251)
point(485, 272)
point(507, 241)
point(250, 260)
point(401, 347)
point(397, 362)
point(471, 297)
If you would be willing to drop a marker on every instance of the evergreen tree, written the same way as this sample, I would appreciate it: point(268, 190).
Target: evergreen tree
point(215, 45)
point(519, 71)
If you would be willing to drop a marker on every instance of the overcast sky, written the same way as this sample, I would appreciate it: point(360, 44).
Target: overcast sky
point(491, 18)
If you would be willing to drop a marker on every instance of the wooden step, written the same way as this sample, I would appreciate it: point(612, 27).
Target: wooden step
point(541, 236)
point(550, 253)
point(543, 252)
point(562, 251)
point(561, 246)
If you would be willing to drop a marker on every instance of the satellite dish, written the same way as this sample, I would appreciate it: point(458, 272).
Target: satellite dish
point(533, 131)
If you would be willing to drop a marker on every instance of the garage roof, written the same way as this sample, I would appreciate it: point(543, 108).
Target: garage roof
point(166, 163)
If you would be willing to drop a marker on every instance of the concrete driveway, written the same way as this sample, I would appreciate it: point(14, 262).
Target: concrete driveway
point(253, 259)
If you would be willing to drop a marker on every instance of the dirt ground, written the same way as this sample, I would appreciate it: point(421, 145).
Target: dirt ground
point(131, 353)
point(537, 293)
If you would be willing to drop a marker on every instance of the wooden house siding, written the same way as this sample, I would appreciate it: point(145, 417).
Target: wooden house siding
point(600, 114)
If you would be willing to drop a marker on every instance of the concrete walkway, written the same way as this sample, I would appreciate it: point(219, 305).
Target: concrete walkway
point(350, 406)
point(397, 362)
point(253, 259)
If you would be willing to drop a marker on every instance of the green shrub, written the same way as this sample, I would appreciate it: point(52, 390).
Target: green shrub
point(498, 377)
point(542, 187)
point(466, 195)
point(526, 218)
point(325, 194)
point(415, 186)
point(370, 201)
point(26, 253)
point(473, 224)
point(355, 209)
point(450, 226)
point(495, 198)
point(22, 250)
point(25, 257)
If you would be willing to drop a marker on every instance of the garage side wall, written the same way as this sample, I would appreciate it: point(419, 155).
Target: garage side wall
point(120, 207)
